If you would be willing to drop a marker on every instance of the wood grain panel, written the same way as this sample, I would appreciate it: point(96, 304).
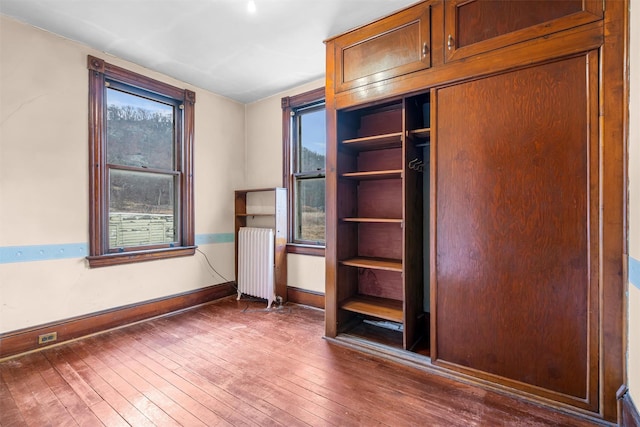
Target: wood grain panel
point(482, 20)
point(614, 102)
point(380, 240)
point(516, 227)
point(335, 129)
point(372, 56)
point(380, 283)
point(478, 26)
point(397, 45)
point(346, 246)
point(381, 308)
point(380, 199)
point(380, 160)
point(557, 45)
point(379, 120)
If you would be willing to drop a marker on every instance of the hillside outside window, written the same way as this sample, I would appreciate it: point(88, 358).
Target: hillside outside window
point(304, 129)
point(141, 137)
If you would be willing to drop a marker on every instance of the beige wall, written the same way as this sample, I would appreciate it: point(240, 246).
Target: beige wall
point(264, 169)
point(306, 272)
point(633, 371)
point(44, 185)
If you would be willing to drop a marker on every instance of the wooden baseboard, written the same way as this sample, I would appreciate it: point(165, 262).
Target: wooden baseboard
point(301, 296)
point(628, 415)
point(24, 340)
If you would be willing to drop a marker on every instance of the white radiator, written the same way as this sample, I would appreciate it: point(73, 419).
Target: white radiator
point(256, 263)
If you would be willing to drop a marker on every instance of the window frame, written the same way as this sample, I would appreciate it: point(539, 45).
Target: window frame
point(289, 105)
point(99, 254)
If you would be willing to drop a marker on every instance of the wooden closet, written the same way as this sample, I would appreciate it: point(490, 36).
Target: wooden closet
point(475, 194)
point(380, 190)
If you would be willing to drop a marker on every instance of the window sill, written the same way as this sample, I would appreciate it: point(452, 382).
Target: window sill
point(139, 256)
point(300, 249)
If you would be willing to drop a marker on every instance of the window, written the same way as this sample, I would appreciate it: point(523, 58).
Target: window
point(141, 157)
point(304, 132)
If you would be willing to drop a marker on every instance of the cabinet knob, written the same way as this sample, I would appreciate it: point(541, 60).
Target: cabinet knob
point(450, 42)
point(425, 49)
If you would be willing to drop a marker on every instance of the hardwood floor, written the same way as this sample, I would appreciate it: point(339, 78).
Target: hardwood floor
point(231, 363)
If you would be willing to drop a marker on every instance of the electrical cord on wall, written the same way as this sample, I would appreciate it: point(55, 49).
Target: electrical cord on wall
point(247, 300)
point(233, 283)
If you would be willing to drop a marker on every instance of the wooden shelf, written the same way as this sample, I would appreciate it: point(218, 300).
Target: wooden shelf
point(277, 220)
point(376, 201)
point(372, 175)
point(421, 133)
point(374, 263)
point(381, 220)
point(382, 308)
point(377, 142)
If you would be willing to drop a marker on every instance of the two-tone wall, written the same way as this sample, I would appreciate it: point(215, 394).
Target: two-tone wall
point(633, 356)
point(44, 187)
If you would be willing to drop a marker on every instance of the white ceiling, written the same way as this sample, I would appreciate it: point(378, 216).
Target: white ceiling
point(213, 44)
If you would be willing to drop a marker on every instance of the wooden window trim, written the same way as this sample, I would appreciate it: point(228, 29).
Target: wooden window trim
point(289, 104)
point(300, 249)
point(99, 70)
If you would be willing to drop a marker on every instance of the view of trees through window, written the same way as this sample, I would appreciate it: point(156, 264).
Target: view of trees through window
point(310, 175)
point(141, 165)
point(141, 181)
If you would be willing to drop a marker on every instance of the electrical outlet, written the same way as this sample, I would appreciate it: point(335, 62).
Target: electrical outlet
point(47, 338)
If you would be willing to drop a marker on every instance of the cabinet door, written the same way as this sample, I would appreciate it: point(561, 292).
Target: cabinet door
point(477, 26)
point(391, 47)
point(516, 229)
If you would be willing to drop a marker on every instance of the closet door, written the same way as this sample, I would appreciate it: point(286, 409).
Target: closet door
point(391, 47)
point(516, 229)
point(476, 26)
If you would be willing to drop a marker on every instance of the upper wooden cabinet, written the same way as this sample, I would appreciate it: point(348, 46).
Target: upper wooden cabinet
point(477, 26)
point(388, 48)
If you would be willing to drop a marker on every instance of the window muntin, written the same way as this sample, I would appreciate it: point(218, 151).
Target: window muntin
point(308, 181)
point(310, 214)
point(141, 164)
point(141, 161)
point(142, 209)
point(312, 138)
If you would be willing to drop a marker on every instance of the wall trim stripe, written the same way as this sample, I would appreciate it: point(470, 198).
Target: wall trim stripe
point(634, 272)
point(207, 239)
point(32, 253)
point(11, 254)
